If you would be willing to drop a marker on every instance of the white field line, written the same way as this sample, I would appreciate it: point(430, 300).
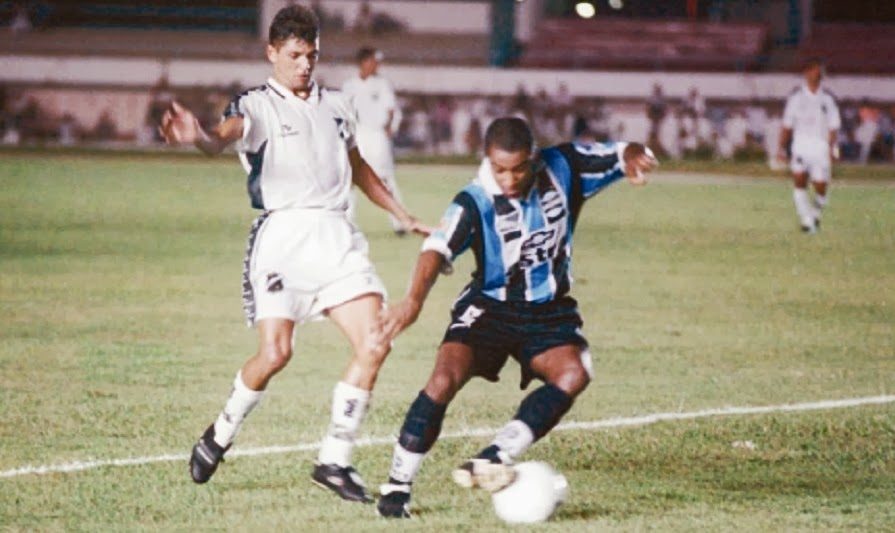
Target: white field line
point(616, 422)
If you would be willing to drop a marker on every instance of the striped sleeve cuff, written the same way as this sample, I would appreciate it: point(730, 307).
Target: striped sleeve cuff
point(435, 243)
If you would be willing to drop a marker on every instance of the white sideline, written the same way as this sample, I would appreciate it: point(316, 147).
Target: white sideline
point(616, 422)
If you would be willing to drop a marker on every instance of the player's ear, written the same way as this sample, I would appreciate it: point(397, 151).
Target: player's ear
point(271, 51)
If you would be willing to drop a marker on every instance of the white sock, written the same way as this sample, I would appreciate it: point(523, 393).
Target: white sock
point(405, 464)
point(240, 403)
point(348, 410)
point(820, 201)
point(514, 438)
point(803, 206)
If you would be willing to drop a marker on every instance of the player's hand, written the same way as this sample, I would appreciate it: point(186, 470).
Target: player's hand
point(398, 317)
point(781, 157)
point(179, 125)
point(638, 160)
point(413, 225)
point(834, 152)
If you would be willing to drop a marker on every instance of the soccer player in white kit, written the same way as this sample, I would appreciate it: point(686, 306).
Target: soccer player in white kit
point(305, 259)
point(811, 121)
point(378, 118)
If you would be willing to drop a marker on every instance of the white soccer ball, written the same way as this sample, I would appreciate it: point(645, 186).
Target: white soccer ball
point(533, 496)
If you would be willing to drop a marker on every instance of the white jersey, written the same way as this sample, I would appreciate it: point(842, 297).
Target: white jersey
point(295, 151)
point(374, 100)
point(811, 117)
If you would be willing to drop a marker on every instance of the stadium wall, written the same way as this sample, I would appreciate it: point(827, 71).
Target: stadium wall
point(144, 73)
point(418, 16)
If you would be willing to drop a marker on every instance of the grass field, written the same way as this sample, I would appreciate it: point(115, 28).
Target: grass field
point(122, 330)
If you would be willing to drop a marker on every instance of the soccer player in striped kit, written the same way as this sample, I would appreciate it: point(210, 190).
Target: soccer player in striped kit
point(518, 217)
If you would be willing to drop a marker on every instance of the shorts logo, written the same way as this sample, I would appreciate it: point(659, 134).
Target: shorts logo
point(468, 317)
point(274, 282)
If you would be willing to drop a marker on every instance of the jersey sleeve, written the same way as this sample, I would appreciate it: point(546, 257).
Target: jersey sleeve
point(834, 122)
point(595, 165)
point(348, 124)
point(789, 114)
point(252, 134)
point(455, 233)
point(389, 100)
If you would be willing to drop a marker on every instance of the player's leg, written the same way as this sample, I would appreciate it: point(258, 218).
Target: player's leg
point(274, 352)
point(422, 425)
point(358, 320)
point(802, 201)
point(566, 372)
point(820, 178)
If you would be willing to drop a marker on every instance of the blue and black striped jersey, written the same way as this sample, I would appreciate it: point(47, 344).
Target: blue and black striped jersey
point(523, 246)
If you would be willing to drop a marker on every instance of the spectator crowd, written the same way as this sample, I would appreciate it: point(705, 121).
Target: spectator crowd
point(453, 125)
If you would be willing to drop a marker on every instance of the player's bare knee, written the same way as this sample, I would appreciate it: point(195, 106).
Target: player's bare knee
point(275, 355)
point(573, 379)
point(442, 387)
point(369, 359)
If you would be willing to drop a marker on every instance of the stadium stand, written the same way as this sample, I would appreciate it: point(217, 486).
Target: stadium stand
point(854, 48)
point(646, 44)
point(406, 48)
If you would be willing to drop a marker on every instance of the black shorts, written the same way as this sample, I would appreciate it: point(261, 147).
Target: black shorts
point(497, 330)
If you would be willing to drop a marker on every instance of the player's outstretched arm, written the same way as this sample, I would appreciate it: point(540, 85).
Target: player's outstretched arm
point(367, 180)
point(398, 317)
point(181, 127)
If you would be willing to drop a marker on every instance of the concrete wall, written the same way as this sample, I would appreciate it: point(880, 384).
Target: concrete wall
point(418, 16)
point(143, 73)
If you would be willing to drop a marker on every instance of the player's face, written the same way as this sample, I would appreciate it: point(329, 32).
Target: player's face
point(813, 74)
point(293, 63)
point(511, 170)
point(369, 66)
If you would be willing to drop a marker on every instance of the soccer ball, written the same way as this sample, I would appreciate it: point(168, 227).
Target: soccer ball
point(533, 496)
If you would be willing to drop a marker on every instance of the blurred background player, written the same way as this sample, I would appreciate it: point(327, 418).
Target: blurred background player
point(518, 216)
point(304, 259)
point(811, 122)
point(378, 118)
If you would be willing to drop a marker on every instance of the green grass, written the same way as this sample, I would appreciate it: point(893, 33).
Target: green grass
point(122, 329)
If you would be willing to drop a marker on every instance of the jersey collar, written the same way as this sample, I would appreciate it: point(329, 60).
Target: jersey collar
point(286, 94)
point(486, 178)
point(808, 91)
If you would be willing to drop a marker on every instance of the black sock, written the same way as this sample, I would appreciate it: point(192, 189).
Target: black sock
point(543, 408)
point(422, 425)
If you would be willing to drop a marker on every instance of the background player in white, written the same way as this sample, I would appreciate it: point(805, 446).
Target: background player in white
point(811, 122)
point(305, 259)
point(378, 118)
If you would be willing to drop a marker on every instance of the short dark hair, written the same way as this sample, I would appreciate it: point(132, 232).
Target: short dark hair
point(509, 133)
point(365, 53)
point(293, 21)
point(811, 62)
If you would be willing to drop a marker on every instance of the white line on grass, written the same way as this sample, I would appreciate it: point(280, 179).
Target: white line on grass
point(616, 422)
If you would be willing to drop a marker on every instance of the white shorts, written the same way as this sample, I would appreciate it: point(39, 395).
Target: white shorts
point(376, 149)
point(815, 161)
point(301, 262)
